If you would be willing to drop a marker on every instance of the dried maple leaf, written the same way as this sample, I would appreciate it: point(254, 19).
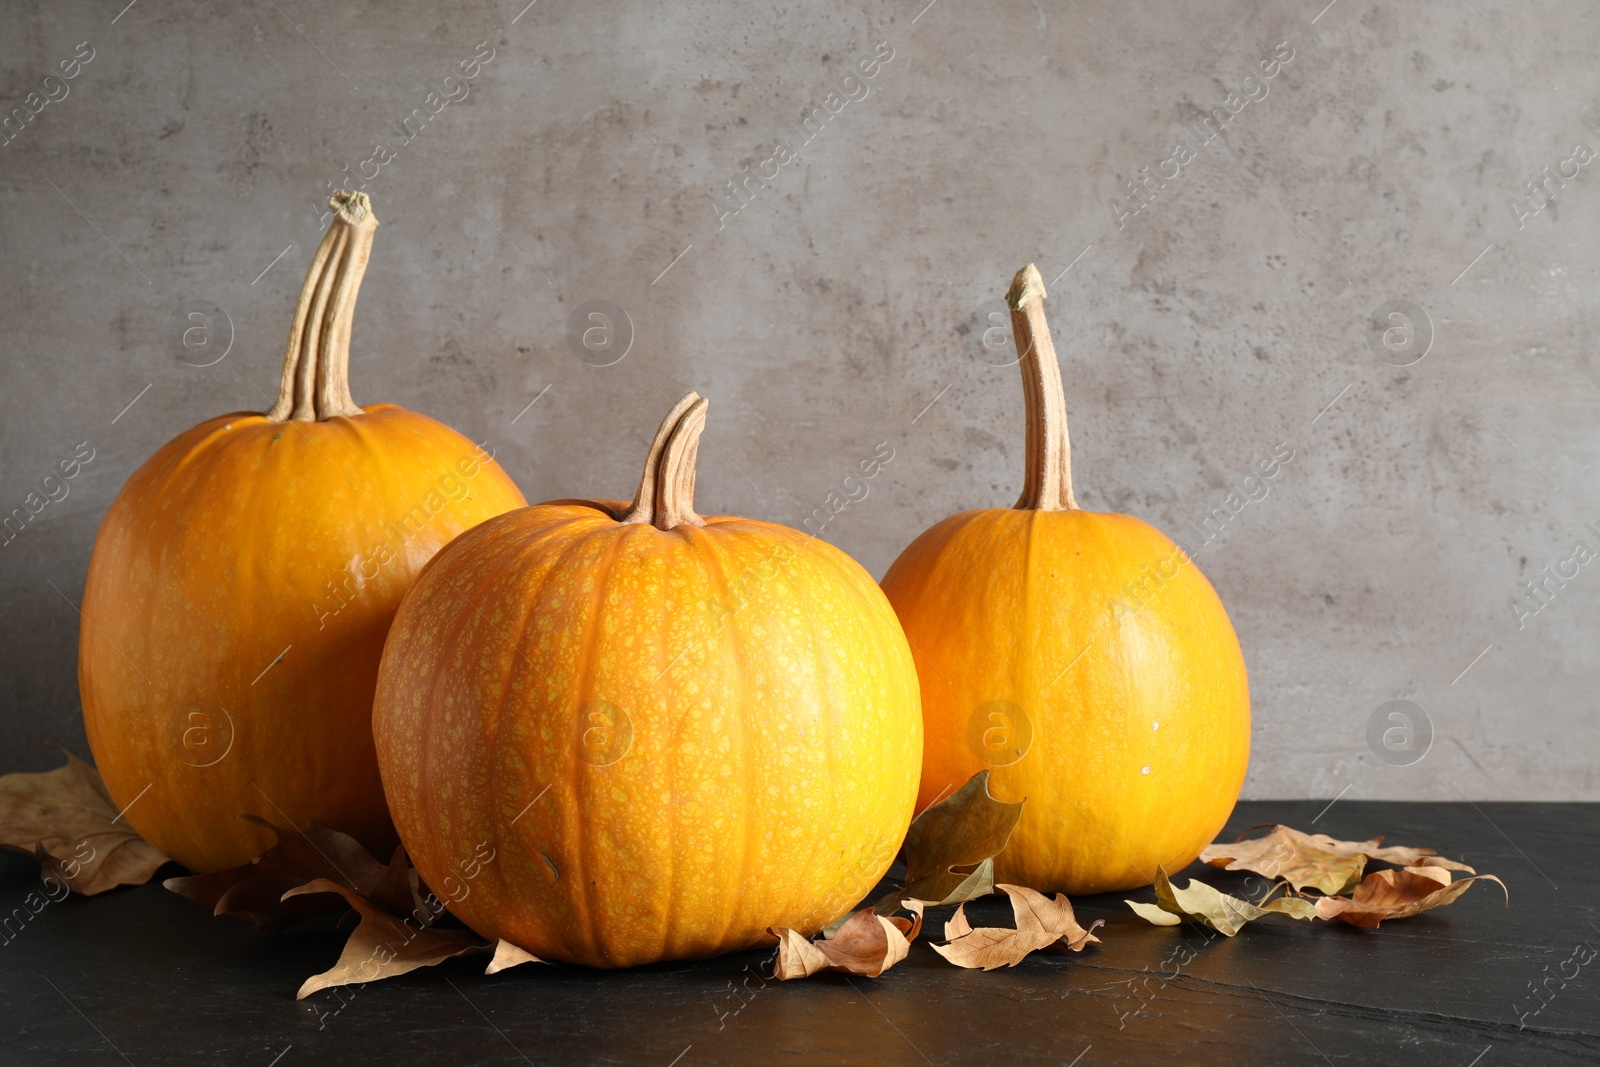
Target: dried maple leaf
point(1042, 922)
point(1399, 895)
point(66, 818)
point(950, 847)
point(1203, 904)
point(258, 891)
point(383, 945)
point(867, 944)
point(1316, 861)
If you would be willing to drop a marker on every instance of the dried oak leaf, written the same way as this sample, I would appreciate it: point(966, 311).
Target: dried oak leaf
point(1399, 895)
point(1201, 903)
point(867, 944)
point(68, 821)
point(950, 847)
point(1316, 861)
point(258, 891)
point(384, 946)
point(1042, 922)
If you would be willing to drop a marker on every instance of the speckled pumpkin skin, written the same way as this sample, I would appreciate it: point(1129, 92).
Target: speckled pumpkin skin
point(1127, 672)
point(239, 539)
point(611, 744)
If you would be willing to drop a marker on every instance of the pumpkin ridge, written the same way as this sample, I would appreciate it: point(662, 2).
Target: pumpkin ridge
point(879, 608)
point(426, 768)
point(215, 438)
point(517, 555)
point(1027, 683)
point(707, 547)
point(436, 759)
point(496, 548)
point(260, 520)
point(823, 684)
point(669, 924)
point(615, 541)
point(391, 483)
point(456, 633)
point(1105, 547)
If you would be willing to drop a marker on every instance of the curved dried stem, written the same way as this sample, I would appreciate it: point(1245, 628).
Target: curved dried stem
point(315, 383)
point(666, 490)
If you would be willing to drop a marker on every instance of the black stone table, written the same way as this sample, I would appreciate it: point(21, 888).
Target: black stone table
point(140, 976)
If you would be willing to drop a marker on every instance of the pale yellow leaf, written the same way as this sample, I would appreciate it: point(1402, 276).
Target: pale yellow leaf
point(507, 955)
point(383, 945)
point(1153, 913)
point(1207, 906)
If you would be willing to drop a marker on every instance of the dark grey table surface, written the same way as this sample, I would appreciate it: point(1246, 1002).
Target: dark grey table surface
point(140, 976)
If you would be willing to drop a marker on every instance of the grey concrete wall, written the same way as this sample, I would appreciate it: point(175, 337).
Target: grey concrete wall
point(845, 304)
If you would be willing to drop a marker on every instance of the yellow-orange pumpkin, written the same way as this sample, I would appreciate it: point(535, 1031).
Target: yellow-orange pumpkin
point(615, 734)
point(242, 584)
point(1082, 658)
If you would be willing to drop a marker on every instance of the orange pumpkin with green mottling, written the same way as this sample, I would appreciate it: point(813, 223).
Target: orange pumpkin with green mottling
point(1081, 658)
point(616, 734)
point(242, 584)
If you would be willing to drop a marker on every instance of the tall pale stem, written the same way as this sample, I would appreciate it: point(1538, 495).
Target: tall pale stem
point(1047, 482)
point(315, 383)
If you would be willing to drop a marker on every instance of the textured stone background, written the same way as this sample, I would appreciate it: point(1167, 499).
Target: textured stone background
point(1227, 317)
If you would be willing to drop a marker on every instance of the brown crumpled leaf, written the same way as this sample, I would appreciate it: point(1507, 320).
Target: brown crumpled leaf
point(1399, 895)
point(867, 944)
point(951, 846)
point(258, 891)
point(1315, 860)
point(1042, 922)
point(67, 819)
point(1207, 906)
point(384, 946)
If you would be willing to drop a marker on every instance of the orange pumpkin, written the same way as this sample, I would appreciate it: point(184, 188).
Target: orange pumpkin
point(1082, 658)
point(613, 734)
point(242, 584)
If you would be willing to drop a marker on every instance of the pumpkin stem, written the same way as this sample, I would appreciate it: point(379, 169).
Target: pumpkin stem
point(1047, 484)
point(666, 491)
point(315, 384)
